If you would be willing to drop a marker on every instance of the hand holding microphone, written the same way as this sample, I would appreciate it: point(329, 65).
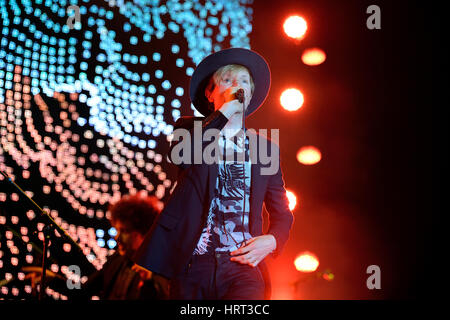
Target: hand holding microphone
point(231, 106)
point(239, 95)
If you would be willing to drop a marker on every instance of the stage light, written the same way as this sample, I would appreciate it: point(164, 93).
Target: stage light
point(313, 56)
point(112, 243)
point(23, 230)
point(100, 233)
point(15, 291)
point(189, 71)
point(40, 67)
point(112, 232)
point(67, 247)
point(29, 258)
point(30, 214)
point(179, 63)
point(306, 262)
point(14, 261)
point(291, 99)
point(175, 48)
point(309, 155)
point(295, 27)
point(292, 199)
point(328, 275)
point(101, 242)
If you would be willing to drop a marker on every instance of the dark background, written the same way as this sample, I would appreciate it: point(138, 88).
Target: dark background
point(368, 109)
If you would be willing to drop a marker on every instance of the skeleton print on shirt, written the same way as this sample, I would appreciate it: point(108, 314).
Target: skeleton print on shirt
point(227, 223)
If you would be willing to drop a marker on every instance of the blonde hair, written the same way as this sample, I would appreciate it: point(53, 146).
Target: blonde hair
point(218, 75)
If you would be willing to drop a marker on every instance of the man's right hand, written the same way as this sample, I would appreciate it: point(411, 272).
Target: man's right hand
point(231, 107)
point(231, 104)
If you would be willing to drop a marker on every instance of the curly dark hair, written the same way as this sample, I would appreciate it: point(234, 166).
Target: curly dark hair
point(136, 212)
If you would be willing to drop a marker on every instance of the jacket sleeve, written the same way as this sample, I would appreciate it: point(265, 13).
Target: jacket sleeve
point(277, 205)
point(216, 120)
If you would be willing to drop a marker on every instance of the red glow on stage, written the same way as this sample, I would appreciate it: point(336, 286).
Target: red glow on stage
point(291, 99)
point(306, 262)
point(327, 275)
point(292, 199)
point(309, 155)
point(295, 27)
point(313, 56)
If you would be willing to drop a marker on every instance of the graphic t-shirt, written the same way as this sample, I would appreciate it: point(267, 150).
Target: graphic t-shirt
point(228, 217)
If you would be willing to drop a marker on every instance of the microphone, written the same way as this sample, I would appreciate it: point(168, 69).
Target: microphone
point(239, 95)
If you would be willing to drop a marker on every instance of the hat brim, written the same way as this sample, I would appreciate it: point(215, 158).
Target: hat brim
point(255, 63)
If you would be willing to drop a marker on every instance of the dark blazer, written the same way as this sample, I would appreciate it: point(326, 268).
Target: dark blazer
point(171, 241)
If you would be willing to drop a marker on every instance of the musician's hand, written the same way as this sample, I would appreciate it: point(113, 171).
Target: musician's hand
point(144, 273)
point(161, 283)
point(231, 107)
point(255, 250)
point(230, 94)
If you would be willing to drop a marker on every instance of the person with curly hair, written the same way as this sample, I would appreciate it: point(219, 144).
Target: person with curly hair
point(120, 278)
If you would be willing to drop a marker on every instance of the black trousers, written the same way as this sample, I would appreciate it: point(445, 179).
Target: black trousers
point(215, 277)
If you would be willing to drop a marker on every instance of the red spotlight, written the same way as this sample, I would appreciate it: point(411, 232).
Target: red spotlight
point(306, 262)
point(313, 56)
point(295, 27)
point(328, 275)
point(291, 99)
point(292, 199)
point(309, 155)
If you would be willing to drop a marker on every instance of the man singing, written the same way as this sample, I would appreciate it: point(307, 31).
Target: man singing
point(209, 239)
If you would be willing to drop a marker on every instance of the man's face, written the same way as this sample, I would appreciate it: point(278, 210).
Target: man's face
point(128, 241)
point(228, 84)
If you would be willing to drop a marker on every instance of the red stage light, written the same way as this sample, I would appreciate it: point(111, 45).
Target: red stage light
point(313, 56)
point(327, 275)
point(291, 99)
point(292, 199)
point(306, 262)
point(309, 155)
point(295, 27)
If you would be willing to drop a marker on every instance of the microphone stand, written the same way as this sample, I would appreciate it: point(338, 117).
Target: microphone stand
point(243, 166)
point(241, 97)
point(50, 225)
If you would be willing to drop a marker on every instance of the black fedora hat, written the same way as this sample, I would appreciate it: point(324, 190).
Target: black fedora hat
point(255, 63)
